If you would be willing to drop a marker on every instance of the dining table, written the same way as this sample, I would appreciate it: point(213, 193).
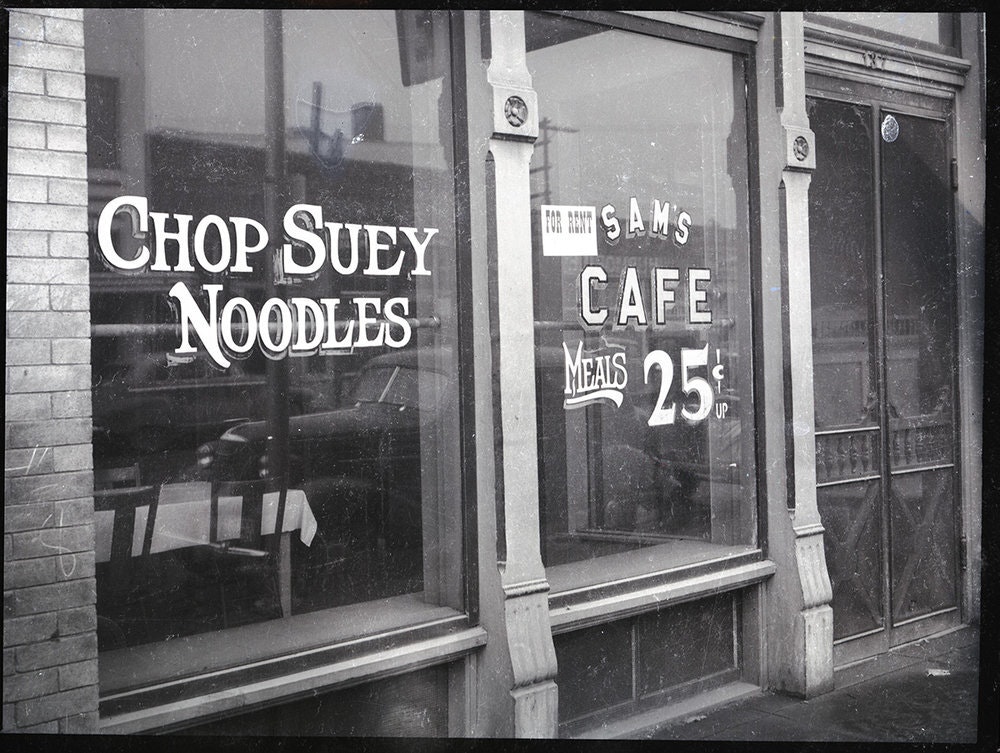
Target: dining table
point(184, 519)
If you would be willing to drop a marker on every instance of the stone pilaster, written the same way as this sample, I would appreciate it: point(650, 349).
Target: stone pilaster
point(801, 620)
point(525, 589)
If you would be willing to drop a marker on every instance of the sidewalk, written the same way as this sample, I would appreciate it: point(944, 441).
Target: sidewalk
point(923, 692)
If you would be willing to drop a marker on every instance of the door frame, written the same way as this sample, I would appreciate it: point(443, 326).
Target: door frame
point(881, 99)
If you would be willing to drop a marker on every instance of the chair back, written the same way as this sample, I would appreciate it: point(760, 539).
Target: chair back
point(123, 502)
point(252, 494)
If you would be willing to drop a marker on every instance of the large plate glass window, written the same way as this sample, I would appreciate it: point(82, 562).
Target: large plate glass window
point(642, 300)
point(274, 318)
point(937, 29)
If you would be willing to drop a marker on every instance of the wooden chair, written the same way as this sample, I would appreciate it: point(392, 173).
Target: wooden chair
point(123, 502)
point(118, 590)
point(118, 490)
point(253, 554)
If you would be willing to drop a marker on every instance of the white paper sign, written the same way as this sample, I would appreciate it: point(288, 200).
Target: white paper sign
point(568, 231)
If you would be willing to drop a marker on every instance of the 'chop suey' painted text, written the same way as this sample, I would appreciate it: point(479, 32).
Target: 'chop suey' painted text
point(231, 328)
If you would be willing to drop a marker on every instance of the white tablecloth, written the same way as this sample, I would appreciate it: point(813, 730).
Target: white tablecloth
point(183, 519)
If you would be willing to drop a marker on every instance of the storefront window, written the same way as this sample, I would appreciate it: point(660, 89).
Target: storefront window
point(932, 28)
point(274, 319)
point(642, 299)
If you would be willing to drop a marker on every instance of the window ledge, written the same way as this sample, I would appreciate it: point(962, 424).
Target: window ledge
point(636, 568)
point(245, 698)
point(606, 607)
point(259, 664)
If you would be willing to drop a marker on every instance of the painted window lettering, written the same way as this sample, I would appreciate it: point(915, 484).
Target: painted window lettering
point(661, 217)
point(630, 307)
point(298, 325)
point(593, 376)
point(645, 297)
point(324, 244)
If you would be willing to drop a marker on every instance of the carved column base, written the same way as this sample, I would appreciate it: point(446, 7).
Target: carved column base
point(536, 710)
point(812, 635)
point(533, 659)
point(813, 652)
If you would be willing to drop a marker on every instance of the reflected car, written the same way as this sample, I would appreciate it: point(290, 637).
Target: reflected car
point(359, 464)
point(155, 402)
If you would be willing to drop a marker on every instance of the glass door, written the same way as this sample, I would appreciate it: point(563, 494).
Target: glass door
point(884, 369)
point(918, 288)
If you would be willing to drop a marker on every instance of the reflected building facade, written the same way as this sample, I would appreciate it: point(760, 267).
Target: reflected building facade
point(489, 374)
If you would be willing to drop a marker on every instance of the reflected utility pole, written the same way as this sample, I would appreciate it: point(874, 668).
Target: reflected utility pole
point(274, 198)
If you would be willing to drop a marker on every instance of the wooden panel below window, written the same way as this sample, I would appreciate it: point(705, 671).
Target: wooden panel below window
point(627, 666)
point(411, 705)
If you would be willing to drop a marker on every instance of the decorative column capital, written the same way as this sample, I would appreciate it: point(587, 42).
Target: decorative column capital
point(515, 104)
point(800, 148)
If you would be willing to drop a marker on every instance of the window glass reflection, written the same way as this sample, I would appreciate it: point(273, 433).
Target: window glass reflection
point(641, 245)
point(844, 356)
point(205, 520)
point(935, 28)
point(919, 295)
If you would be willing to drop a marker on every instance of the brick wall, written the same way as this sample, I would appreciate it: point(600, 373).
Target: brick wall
point(49, 593)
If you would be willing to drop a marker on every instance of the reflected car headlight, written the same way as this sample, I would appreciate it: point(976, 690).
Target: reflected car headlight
point(206, 455)
point(263, 466)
